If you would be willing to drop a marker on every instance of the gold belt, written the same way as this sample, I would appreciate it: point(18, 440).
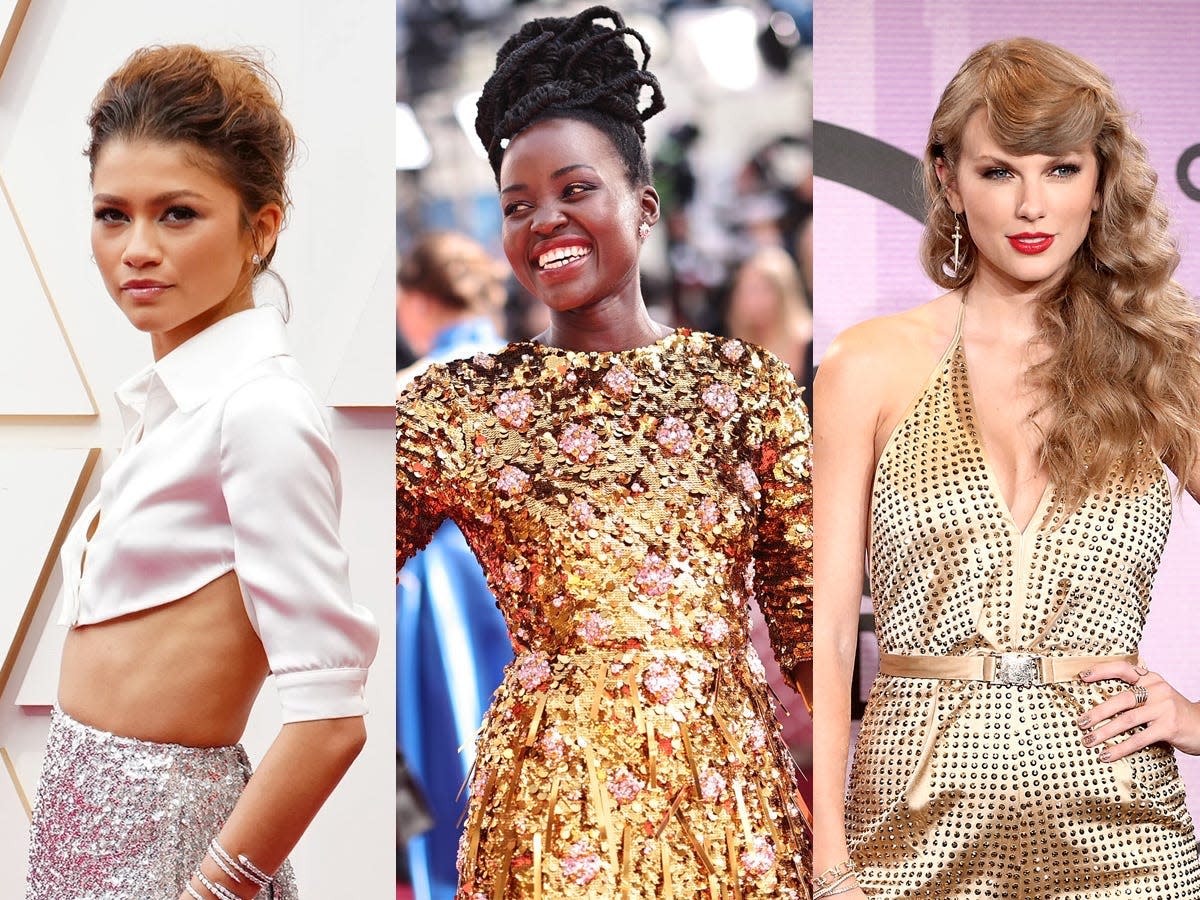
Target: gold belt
point(1000, 668)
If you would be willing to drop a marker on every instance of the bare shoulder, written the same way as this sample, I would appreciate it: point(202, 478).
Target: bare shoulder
point(879, 365)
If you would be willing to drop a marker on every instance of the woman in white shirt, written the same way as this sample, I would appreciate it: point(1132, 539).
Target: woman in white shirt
point(211, 556)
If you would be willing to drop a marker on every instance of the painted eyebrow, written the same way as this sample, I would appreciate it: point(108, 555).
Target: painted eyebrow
point(167, 197)
point(557, 173)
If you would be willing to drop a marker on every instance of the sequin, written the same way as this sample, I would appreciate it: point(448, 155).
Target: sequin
point(654, 577)
point(581, 865)
point(513, 408)
point(732, 350)
point(619, 382)
point(721, 399)
point(512, 481)
point(971, 789)
point(533, 670)
point(674, 435)
point(116, 818)
point(624, 785)
point(578, 442)
point(620, 506)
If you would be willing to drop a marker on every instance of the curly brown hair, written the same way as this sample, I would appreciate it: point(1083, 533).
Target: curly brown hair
point(1121, 385)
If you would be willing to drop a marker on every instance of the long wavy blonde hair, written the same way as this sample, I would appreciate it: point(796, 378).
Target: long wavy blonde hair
point(1120, 388)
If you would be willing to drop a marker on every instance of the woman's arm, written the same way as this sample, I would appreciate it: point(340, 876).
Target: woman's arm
point(846, 416)
point(301, 768)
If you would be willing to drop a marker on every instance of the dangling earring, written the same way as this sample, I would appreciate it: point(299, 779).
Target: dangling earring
point(644, 230)
point(956, 261)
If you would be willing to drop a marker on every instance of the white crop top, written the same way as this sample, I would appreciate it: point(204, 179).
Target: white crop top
point(227, 466)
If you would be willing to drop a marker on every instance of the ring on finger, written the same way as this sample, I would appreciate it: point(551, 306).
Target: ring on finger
point(1140, 695)
point(1141, 670)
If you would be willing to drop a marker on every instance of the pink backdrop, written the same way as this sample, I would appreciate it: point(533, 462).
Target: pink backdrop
point(879, 70)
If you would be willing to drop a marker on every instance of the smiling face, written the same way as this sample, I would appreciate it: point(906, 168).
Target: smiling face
point(571, 217)
point(170, 240)
point(1027, 214)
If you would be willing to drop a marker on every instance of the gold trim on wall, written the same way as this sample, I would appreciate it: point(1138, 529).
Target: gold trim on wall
point(87, 388)
point(12, 773)
point(10, 33)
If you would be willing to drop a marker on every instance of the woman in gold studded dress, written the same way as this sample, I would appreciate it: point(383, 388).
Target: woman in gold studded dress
point(628, 490)
point(1000, 455)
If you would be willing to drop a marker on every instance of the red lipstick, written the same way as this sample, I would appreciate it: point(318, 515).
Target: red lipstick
point(1031, 243)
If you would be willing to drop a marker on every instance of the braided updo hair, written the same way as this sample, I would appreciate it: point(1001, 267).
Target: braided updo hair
point(571, 68)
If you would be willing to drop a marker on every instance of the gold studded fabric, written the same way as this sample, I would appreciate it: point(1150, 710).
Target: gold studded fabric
point(626, 507)
point(970, 789)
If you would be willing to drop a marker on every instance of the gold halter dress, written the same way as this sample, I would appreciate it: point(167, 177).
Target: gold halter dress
point(970, 778)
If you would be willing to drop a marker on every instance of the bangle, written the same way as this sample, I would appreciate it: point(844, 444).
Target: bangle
point(833, 875)
point(217, 890)
point(191, 890)
point(241, 865)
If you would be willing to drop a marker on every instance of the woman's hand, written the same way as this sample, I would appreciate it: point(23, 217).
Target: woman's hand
point(1166, 713)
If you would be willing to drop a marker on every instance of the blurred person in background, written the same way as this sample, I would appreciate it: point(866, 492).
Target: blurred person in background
point(768, 306)
point(452, 644)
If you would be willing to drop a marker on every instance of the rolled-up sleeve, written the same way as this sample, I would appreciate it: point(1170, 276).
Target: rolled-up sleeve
point(282, 489)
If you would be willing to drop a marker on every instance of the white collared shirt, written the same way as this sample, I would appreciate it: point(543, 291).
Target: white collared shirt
point(227, 466)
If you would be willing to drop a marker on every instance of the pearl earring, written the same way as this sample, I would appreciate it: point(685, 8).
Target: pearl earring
point(255, 260)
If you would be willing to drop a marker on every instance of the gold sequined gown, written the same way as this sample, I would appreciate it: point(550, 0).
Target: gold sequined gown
point(625, 506)
point(971, 789)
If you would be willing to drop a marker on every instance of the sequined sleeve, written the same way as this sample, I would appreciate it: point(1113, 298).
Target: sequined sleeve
point(428, 445)
point(783, 550)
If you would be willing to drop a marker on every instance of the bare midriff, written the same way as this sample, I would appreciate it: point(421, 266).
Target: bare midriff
point(186, 672)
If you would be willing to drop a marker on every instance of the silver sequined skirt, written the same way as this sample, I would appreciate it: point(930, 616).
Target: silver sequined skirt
point(117, 818)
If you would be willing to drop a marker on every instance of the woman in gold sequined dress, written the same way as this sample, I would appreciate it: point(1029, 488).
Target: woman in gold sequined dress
point(628, 489)
point(999, 453)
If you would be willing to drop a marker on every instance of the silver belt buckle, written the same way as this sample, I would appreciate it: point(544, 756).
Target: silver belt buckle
point(1018, 669)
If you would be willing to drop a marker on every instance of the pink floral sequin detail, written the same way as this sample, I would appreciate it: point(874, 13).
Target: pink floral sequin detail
point(595, 628)
point(623, 785)
point(710, 513)
point(619, 382)
point(732, 350)
point(581, 864)
point(581, 511)
point(712, 785)
point(655, 576)
point(514, 408)
point(748, 478)
point(533, 670)
point(760, 858)
point(714, 630)
point(660, 681)
point(579, 442)
point(674, 435)
point(721, 399)
point(512, 481)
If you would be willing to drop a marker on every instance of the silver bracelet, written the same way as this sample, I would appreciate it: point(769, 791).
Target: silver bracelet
point(243, 865)
point(217, 890)
point(191, 890)
point(847, 889)
point(828, 890)
point(215, 856)
point(263, 879)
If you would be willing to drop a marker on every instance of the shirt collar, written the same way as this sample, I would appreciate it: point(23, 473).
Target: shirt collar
point(201, 365)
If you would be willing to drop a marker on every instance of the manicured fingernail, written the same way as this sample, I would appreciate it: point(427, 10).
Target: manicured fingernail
point(1105, 756)
point(1084, 722)
point(1084, 674)
point(1088, 740)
